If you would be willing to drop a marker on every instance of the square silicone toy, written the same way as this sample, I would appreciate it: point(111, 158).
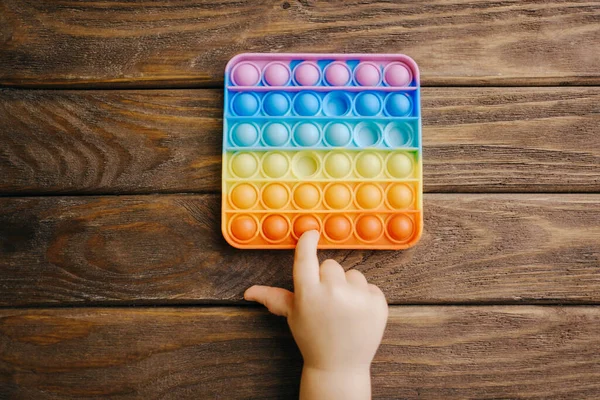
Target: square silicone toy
point(330, 142)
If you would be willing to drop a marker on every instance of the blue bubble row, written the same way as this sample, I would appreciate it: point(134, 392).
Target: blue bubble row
point(260, 135)
point(328, 104)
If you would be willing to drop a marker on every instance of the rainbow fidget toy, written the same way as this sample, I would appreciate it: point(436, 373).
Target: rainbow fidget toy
point(330, 142)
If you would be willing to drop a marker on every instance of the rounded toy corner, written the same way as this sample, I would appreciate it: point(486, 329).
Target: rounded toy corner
point(414, 66)
point(235, 59)
point(228, 238)
point(417, 237)
point(412, 62)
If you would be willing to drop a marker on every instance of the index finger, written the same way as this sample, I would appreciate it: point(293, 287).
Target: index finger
point(306, 263)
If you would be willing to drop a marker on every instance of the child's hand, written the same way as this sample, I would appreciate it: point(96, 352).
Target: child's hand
point(337, 320)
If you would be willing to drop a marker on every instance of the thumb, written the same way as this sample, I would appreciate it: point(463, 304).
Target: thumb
point(278, 301)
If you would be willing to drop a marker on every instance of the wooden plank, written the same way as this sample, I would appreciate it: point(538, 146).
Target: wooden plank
point(475, 140)
point(231, 353)
point(158, 43)
point(169, 249)
point(110, 141)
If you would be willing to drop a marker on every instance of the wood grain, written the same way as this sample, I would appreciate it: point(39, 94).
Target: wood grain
point(110, 141)
point(159, 43)
point(122, 141)
point(169, 249)
point(233, 353)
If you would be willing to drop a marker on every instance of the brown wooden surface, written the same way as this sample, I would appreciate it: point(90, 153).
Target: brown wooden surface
point(89, 252)
point(540, 42)
point(142, 141)
point(225, 353)
point(169, 249)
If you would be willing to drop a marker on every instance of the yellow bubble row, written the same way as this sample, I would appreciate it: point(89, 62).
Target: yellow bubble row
point(367, 164)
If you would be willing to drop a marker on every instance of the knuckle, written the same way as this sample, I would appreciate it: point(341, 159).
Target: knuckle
point(267, 303)
point(336, 292)
point(330, 263)
point(354, 272)
point(376, 290)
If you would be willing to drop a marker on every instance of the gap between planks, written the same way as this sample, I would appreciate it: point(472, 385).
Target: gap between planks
point(251, 306)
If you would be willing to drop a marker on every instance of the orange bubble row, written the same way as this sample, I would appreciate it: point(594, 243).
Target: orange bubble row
point(333, 196)
point(336, 228)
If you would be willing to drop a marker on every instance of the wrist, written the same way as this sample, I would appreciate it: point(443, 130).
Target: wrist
point(352, 383)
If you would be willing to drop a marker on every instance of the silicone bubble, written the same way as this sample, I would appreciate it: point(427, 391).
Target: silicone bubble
point(398, 134)
point(275, 196)
point(245, 74)
point(399, 196)
point(275, 228)
point(338, 228)
point(307, 196)
point(307, 74)
point(306, 134)
point(243, 228)
point(275, 165)
point(399, 165)
point(338, 196)
point(244, 165)
point(367, 74)
point(244, 134)
point(245, 104)
point(369, 196)
point(367, 104)
point(400, 227)
point(307, 104)
point(277, 74)
point(398, 105)
point(368, 164)
point(338, 165)
point(336, 104)
point(305, 164)
point(244, 196)
point(337, 134)
point(369, 228)
point(337, 74)
point(276, 104)
point(305, 223)
point(397, 74)
point(367, 134)
point(276, 134)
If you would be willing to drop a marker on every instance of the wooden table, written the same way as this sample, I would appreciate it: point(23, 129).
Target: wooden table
point(115, 279)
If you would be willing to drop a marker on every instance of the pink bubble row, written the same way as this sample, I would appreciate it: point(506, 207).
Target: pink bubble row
point(308, 73)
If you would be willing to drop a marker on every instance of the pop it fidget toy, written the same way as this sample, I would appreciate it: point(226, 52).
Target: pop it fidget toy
point(330, 142)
